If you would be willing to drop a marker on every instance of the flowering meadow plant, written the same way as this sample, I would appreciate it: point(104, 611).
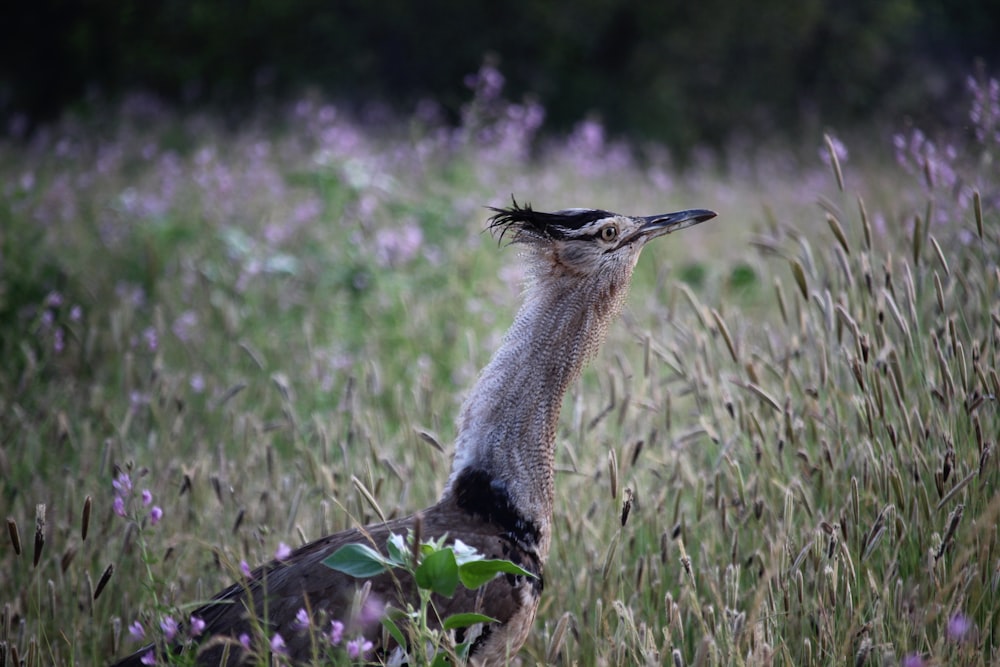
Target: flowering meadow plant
point(219, 342)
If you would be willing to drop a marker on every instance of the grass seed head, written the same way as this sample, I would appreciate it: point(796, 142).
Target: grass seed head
point(39, 533)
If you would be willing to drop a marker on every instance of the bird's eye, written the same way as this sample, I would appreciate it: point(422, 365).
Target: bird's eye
point(609, 233)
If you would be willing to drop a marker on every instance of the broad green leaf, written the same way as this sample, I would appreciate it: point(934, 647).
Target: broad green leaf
point(358, 560)
point(441, 660)
point(438, 572)
point(478, 572)
point(465, 620)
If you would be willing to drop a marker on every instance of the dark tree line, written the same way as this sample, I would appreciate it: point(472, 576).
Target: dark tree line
point(682, 72)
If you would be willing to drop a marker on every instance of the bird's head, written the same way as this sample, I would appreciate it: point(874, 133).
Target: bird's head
point(581, 243)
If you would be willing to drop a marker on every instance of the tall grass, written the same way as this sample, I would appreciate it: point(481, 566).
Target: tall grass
point(785, 454)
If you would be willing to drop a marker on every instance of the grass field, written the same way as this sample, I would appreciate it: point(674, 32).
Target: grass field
point(265, 325)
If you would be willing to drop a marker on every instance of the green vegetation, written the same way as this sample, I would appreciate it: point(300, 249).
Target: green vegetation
point(785, 453)
point(688, 74)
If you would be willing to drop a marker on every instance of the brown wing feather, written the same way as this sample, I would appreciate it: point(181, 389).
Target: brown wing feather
point(277, 591)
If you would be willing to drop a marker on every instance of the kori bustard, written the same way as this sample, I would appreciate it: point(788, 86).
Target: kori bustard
point(499, 496)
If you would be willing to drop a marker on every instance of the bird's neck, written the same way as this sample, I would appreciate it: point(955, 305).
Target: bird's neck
point(505, 448)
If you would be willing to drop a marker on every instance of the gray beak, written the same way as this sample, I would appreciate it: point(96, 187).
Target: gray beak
point(659, 225)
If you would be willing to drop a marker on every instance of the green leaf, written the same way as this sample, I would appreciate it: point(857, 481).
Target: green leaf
point(394, 630)
point(441, 660)
point(438, 572)
point(456, 621)
point(397, 548)
point(478, 572)
point(358, 560)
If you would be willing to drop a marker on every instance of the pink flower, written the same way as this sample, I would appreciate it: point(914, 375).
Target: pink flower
point(372, 610)
point(149, 335)
point(357, 648)
point(147, 496)
point(137, 631)
point(169, 627)
point(278, 645)
point(283, 551)
point(155, 515)
point(122, 484)
point(197, 626)
point(336, 632)
point(959, 626)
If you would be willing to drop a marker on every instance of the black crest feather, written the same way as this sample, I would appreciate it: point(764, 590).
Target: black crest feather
point(521, 220)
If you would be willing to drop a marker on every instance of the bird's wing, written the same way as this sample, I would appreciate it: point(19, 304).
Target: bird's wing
point(276, 592)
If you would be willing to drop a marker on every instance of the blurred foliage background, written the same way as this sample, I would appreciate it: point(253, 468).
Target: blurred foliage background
point(685, 74)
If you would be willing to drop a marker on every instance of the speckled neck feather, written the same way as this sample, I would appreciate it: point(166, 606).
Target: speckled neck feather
point(507, 426)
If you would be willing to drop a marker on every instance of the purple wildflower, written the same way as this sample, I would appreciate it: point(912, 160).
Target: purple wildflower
point(959, 626)
point(302, 619)
point(75, 313)
point(147, 496)
point(148, 658)
point(278, 645)
point(245, 641)
point(336, 632)
point(137, 631)
point(149, 335)
point(155, 515)
point(398, 245)
point(185, 325)
point(119, 506)
point(372, 610)
point(58, 340)
point(197, 383)
point(913, 660)
point(169, 627)
point(283, 551)
point(137, 399)
point(358, 648)
point(245, 568)
point(122, 484)
point(197, 626)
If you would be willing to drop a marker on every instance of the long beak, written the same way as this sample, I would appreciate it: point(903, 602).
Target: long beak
point(659, 225)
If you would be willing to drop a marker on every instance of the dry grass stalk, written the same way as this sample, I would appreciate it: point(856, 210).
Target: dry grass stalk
point(834, 161)
point(15, 535)
point(977, 208)
point(838, 232)
point(39, 533)
point(103, 581)
point(865, 225)
point(613, 472)
point(724, 330)
point(799, 274)
point(368, 496)
point(953, 519)
point(558, 639)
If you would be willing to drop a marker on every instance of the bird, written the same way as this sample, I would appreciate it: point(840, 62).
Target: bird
point(500, 493)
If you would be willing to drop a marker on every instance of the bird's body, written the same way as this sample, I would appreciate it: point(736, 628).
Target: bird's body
point(499, 497)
